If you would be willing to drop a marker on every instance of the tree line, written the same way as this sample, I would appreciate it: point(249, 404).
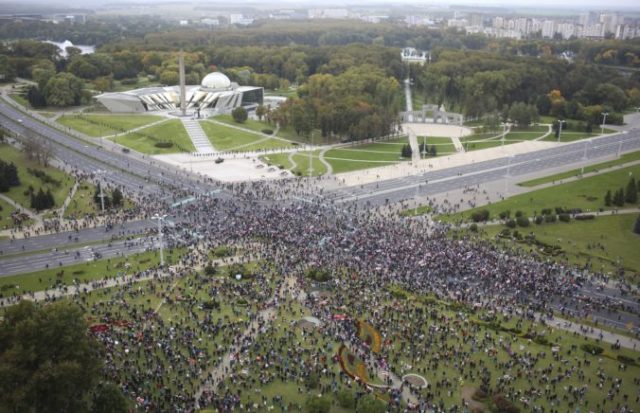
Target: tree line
point(623, 195)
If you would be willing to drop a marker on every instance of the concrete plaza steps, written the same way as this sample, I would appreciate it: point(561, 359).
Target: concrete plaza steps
point(197, 135)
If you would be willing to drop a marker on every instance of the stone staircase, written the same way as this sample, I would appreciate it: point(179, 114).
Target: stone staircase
point(197, 135)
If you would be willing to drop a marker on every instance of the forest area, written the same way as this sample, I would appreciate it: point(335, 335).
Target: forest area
point(345, 76)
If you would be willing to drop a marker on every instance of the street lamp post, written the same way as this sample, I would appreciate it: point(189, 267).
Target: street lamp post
point(604, 120)
point(310, 157)
point(424, 147)
point(101, 183)
point(506, 176)
point(584, 155)
point(561, 122)
point(160, 219)
point(504, 131)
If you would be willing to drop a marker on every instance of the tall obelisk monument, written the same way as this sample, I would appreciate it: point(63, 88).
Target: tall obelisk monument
point(183, 94)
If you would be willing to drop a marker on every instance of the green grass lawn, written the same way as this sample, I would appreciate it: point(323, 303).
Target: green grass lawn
point(277, 160)
point(145, 139)
point(83, 272)
point(254, 125)
point(22, 100)
point(224, 138)
point(587, 194)
point(104, 125)
point(83, 204)
point(604, 241)
point(628, 157)
point(443, 145)
point(571, 136)
point(20, 194)
point(302, 159)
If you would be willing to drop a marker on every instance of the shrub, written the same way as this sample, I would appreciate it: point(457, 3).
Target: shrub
point(239, 114)
point(550, 218)
point(564, 217)
point(546, 211)
point(559, 210)
point(543, 341)
point(473, 227)
point(502, 405)
point(211, 305)
point(587, 217)
point(505, 233)
point(523, 221)
point(505, 214)
point(539, 220)
point(317, 405)
point(480, 216)
point(318, 275)
point(591, 348)
point(267, 131)
point(132, 81)
point(346, 399)
point(519, 214)
point(210, 269)
point(163, 145)
point(312, 381)
point(511, 223)
point(626, 360)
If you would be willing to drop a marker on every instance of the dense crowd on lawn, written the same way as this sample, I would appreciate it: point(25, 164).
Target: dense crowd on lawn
point(163, 361)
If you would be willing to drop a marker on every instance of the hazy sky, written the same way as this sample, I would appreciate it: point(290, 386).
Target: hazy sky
point(563, 4)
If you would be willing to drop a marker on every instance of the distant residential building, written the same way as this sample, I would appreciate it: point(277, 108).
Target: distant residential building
point(328, 13)
point(498, 22)
point(457, 23)
point(548, 28)
point(210, 22)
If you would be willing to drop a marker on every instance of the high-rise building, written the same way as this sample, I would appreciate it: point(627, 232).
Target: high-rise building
point(548, 28)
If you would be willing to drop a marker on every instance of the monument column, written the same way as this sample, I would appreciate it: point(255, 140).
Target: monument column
point(183, 103)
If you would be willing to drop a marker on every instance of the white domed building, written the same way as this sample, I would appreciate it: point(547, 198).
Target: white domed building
point(215, 94)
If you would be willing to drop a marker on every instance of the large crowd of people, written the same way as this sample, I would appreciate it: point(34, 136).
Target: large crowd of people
point(164, 337)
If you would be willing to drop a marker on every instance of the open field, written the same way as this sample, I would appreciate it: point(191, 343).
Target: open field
point(104, 125)
point(586, 194)
point(490, 140)
point(82, 203)
point(277, 159)
point(302, 159)
point(571, 136)
point(145, 140)
point(625, 158)
point(60, 183)
point(252, 124)
point(225, 138)
point(443, 145)
point(603, 242)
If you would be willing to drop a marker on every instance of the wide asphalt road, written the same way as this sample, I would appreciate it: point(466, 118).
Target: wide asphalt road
point(130, 171)
point(445, 180)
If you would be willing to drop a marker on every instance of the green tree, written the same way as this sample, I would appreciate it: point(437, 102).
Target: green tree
point(369, 404)
point(261, 110)
point(63, 89)
point(48, 362)
point(607, 198)
point(239, 114)
point(636, 227)
point(346, 399)
point(108, 398)
point(116, 197)
point(631, 194)
point(316, 404)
